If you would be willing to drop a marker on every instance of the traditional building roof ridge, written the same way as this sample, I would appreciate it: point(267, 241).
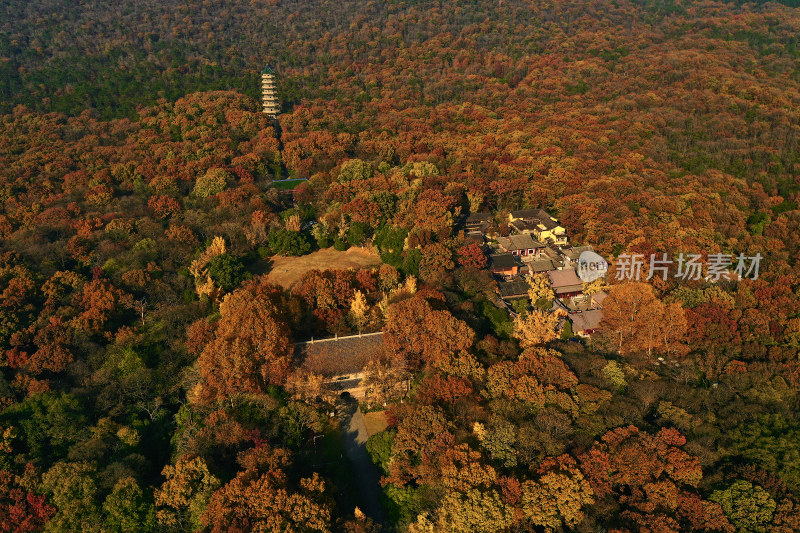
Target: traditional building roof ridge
point(338, 338)
point(586, 321)
point(503, 260)
point(337, 356)
point(514, 288)
point(480, 216)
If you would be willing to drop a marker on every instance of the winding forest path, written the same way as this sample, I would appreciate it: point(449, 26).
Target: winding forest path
point(354, 434)
point(279, 134)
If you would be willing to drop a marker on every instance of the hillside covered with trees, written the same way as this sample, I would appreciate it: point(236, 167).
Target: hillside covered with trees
point(148, 374)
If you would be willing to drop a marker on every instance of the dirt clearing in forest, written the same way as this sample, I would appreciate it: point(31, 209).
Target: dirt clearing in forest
point(287, 270)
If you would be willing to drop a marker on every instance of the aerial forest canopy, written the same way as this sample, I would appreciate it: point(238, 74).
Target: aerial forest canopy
point(156, 365)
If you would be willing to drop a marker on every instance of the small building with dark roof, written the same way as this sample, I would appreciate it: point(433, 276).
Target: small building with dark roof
point(529, 215)
point(513, 290)
point(503, 264)
point(474, 238)
point(523, 226)
point(477, 226)
point(475, 220)
point(544, 264)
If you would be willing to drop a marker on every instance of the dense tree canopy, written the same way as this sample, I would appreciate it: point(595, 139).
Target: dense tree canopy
point(250, 348)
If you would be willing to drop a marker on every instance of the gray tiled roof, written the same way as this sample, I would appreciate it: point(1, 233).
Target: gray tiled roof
point(560, 278)
point(536, 216)
point(511, 289)
point(474, 219)
point(574, 252)
point(505, 260)
point(544, 265)
point(519, 242)
point(339, 356)
point(586, 320)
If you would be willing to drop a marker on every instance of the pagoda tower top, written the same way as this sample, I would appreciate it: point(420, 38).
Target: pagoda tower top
point(269, 94)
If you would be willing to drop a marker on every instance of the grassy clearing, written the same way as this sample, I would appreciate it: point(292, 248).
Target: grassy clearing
point(375, 422)
point(287, 270)
point(286, 185)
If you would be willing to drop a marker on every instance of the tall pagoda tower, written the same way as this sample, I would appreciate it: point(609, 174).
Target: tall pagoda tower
point(269, 93)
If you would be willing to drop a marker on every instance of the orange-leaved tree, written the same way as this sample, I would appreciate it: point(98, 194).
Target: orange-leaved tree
point(251, 347)
point(262, 498)
point(635, 320)
point(422, 334)
point(652, 480)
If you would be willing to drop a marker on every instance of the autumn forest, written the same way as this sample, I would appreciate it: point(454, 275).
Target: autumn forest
point(216, 321)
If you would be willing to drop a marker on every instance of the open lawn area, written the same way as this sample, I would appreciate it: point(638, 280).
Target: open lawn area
point(287, 270)
point(375, 422)
point(286, 185)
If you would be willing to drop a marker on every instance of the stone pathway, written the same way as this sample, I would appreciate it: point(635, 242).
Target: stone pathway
point(354, 434)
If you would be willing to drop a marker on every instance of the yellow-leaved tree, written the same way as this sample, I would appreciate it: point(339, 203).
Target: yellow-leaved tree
point(539, 290)
point(535, 328)
point(556, 499)
point(358, 309)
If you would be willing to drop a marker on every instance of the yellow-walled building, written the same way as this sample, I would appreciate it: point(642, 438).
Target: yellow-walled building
point(536, 221)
